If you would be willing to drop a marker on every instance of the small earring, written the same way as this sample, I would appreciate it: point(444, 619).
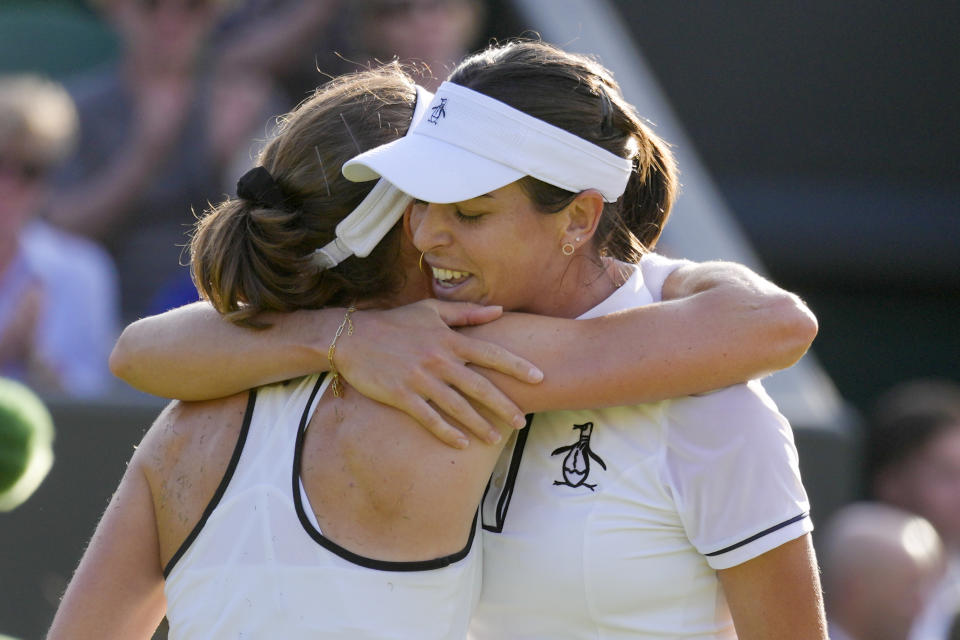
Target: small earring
point(421, 262)
point(567, 248)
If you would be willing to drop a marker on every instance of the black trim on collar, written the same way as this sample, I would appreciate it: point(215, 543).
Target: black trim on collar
point(506, 494)
point(765, 532)
point(221, 488)
point(346, 554)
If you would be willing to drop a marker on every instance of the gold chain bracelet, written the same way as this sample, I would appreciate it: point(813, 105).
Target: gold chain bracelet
point(335, 383)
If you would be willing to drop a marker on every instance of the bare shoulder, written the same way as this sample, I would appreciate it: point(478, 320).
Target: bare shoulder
point(185, 430)
point(184, 457)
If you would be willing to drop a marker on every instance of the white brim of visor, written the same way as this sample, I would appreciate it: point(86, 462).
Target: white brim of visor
point(360, 232)
point(470, 144)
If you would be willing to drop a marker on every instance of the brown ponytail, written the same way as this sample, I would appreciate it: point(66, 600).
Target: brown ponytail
point(642, 211)
point(247, 257)
point(578, 94)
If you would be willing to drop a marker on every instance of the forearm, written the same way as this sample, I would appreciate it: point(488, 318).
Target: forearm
point(192, 353)
point(706, 341)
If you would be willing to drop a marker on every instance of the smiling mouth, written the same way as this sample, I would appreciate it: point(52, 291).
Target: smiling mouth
point(449, 277)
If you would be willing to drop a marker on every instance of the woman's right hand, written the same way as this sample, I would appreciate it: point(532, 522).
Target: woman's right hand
point(410, 358)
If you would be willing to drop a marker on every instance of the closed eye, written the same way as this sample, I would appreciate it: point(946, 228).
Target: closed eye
point(471, 218)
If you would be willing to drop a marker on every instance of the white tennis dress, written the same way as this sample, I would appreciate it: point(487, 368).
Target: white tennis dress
point(612, 523)
point(257, 565)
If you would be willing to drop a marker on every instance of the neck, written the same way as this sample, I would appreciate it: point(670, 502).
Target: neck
point(584, 285)
point(416, 287)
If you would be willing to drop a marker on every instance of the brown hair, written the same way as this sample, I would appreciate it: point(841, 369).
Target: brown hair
point(578, 94)
point(246, 258)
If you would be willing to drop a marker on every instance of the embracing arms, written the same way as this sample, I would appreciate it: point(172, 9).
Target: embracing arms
point(723, 325)
point(726, 325)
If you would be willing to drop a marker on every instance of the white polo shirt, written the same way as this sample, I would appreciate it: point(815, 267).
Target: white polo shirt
point(612, 523)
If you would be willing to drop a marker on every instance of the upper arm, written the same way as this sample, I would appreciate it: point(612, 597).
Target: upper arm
point(194, 353)
point(728, 326)
point(776, 596)
point(117, 590)
point(725, 325)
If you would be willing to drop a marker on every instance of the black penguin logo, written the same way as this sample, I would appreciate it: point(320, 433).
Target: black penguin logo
point(576, 464)
point(438, 111)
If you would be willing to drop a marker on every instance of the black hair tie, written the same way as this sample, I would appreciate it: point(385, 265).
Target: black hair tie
point(258, 187)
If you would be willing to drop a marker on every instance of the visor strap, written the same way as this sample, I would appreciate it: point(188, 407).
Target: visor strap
point(360, 231)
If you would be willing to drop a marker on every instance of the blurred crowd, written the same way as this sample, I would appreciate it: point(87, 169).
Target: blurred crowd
point(102, 177)
point(891, 565)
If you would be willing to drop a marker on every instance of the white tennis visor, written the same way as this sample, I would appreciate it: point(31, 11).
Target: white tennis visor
point(369, 223)
point(470, 144)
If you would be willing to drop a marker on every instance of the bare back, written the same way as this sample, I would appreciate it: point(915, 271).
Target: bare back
point(379, 484)
point(384, 487)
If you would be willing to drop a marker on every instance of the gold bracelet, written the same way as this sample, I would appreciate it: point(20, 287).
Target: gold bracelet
point(334, 374)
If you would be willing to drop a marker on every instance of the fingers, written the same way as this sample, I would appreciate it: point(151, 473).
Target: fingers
point(459, 314)
point(457, 407)
point(485, 393)
point(420, 367)
point(421, 411)
point(493, 356)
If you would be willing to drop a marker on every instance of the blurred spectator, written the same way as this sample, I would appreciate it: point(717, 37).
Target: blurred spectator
point(58, 297)
point(26, 443)
point(156, 129)
point(913, 460)
point(436, 33)
point(879, 566)
point(300, 41)
point(280, 39)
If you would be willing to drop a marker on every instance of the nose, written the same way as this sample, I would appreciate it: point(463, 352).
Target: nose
point(428, 226)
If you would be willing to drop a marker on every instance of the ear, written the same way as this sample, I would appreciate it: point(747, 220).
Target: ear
point(407, 224)
point(583, 216)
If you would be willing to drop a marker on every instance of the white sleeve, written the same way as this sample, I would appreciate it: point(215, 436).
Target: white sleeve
point(733, 468)
point(656, 269)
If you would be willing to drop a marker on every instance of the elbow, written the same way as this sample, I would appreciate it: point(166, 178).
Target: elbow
point(120, 362)
point(797, 328)
point(122, 359)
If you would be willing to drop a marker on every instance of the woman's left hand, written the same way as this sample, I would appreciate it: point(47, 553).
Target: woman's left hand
point(410, 358)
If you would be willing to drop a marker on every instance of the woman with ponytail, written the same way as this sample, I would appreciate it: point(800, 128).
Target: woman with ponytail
point(305, 509)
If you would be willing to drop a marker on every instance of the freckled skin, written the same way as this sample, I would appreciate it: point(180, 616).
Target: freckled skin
point(189, 448)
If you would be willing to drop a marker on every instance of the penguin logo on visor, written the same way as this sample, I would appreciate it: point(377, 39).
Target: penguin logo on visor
point(438, 111)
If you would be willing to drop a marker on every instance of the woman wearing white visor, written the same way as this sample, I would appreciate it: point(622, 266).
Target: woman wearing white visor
point(412, 522)
point(679, 519)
